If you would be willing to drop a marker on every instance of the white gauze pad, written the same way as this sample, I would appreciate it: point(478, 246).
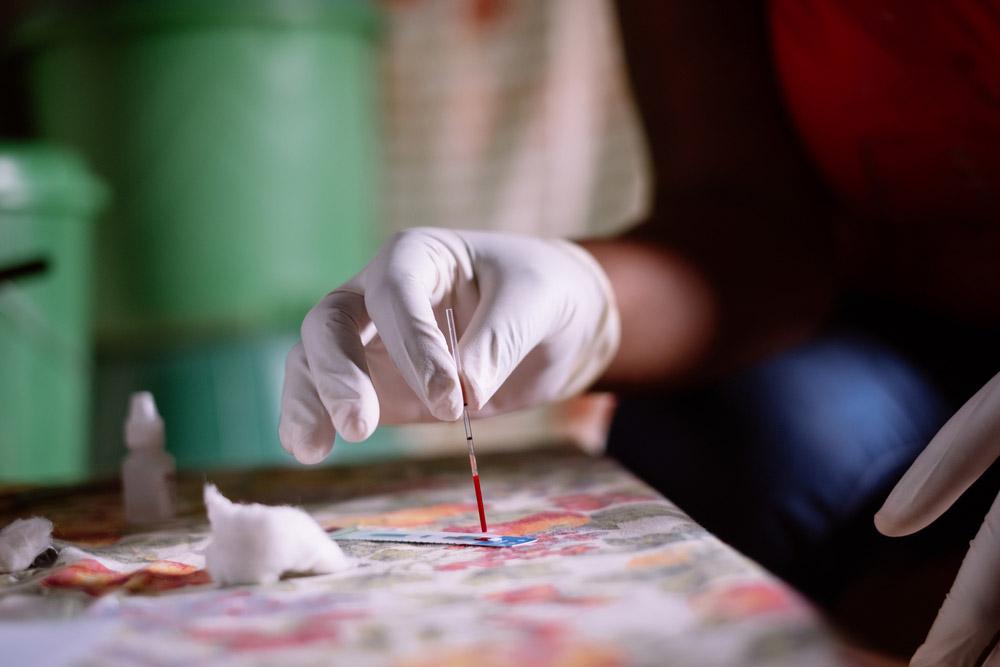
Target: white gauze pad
point(22, 541)
point(255, 544)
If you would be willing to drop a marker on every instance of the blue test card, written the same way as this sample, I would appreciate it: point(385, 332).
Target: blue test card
point(431, 537)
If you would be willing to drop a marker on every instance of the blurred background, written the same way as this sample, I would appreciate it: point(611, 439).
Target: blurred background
point(181, 180)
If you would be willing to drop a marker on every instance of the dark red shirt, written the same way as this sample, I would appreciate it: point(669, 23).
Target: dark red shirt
point(898, 103)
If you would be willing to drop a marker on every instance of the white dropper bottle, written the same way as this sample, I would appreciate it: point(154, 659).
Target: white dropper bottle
point(148, 470)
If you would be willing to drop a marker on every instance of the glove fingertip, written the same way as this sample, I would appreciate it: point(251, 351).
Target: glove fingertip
point(311, 455)
point(476, 394)
point(355, 429)
point(448, 408)
point(886, 524)
point(306, 446)
point(893, 521)
point(444, 394)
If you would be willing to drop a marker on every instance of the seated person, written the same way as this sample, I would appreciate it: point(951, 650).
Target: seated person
point(814, 294)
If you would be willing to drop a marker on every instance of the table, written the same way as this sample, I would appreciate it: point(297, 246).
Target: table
point(618, 576)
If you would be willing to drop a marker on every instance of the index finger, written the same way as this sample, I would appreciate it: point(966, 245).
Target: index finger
point(955, 458)
point(399, 301)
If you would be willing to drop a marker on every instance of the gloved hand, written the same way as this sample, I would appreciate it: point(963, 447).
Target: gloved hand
point(960, 452)
point(536, 320)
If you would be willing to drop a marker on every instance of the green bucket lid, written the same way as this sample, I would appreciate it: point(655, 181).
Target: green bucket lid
point(59, 20)
point(42, 177)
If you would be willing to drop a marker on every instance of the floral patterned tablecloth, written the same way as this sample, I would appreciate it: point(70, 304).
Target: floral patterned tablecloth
point(618, 576)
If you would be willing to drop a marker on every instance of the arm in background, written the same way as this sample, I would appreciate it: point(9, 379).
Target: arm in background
point(737, 258)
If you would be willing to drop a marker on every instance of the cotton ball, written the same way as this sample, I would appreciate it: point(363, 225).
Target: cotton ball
point(22, 541)
point(254, 543)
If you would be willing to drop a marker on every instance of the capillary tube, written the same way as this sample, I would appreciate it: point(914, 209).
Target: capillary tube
point(453, 340)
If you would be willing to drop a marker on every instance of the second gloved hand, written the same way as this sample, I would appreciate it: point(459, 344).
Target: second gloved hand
point(536, 320)
point(964, 448)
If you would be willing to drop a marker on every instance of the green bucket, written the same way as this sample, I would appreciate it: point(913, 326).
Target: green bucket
point(47, 200)
point(239, 137)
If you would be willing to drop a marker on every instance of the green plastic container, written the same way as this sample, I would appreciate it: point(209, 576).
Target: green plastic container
point(47, 200)
point(239, 137)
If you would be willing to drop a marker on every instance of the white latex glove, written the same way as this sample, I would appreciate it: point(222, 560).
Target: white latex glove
point(536, 321)
point(960, 452)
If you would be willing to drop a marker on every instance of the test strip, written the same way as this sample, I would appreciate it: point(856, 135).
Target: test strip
point(431, 537)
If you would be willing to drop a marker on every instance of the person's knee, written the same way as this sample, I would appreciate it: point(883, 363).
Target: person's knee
point(834, 423)
point(779, 458)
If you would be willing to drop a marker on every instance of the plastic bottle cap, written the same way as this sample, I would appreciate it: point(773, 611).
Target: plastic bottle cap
point(144, 425)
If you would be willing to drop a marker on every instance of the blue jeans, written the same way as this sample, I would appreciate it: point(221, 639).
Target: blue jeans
point(788, 460)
